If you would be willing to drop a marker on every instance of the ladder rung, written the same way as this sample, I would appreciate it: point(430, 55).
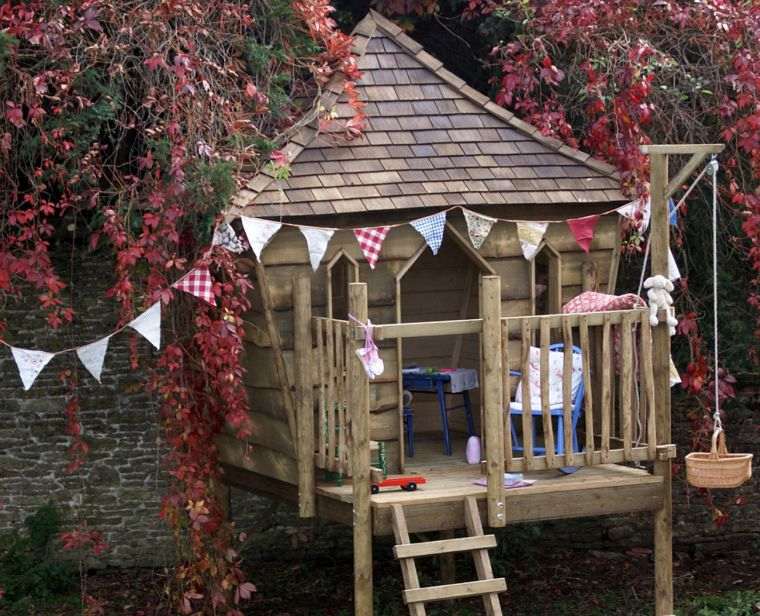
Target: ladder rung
point(454, 591)
point(445, 546)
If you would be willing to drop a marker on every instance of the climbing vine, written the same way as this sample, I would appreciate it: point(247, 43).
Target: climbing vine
point(126, 128)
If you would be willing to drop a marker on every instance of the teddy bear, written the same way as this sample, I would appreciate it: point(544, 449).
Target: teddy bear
point(658, 291)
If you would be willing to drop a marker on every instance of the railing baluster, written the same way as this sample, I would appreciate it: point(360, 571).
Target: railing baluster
point(344, 407)
point(626, 370)
point(331, 453)
point(527, 411)
point(588, 399)
point(322, 424)
point(506, 397)
point(545, 406)
point(567, 391)
point(608, 369)
point(647, 368)
point(339, 401)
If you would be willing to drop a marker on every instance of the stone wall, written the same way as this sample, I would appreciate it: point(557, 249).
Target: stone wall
point(118, 489)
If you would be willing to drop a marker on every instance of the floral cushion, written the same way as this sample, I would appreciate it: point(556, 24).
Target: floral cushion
point(556, 371)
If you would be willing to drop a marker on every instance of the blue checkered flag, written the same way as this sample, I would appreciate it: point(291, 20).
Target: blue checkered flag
point(431, 228)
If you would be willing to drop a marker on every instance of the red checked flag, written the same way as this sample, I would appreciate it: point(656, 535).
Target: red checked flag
point(198, 282)
point(371, 241)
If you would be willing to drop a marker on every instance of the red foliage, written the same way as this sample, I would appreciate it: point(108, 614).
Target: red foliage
point(172, 81)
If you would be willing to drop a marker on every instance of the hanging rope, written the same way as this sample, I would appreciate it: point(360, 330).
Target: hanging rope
point(712, 169)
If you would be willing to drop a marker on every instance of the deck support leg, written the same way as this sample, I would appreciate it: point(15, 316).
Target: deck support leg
point(360, 461)
point(663, 545)
point(304, 396)
point(663, 530)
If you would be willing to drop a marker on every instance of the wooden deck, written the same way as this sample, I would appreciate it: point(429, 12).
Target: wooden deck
point(439, 504)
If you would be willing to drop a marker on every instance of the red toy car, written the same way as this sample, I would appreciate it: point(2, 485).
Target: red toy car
point(405, 482)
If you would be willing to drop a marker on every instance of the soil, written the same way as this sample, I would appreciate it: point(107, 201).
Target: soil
point(542, 580)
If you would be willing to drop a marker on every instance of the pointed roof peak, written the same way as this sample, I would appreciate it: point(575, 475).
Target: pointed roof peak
point(431, 141)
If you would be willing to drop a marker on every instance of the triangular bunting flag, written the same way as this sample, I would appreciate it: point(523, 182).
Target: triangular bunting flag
point(259, 231)
point(225, 236)
point(530, 235)
point(92, 356)
point(431, 228)
point(371, 241)
point(316, 240)
point(675, 378)
point(629, 210)
point(672, 212)
point(583, 230)
point(478, 227)
point(673, 271)
point(149, 324)
point(198, 282)
point(30, 363)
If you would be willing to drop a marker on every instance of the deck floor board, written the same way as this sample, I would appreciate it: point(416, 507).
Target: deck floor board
point(593, 490)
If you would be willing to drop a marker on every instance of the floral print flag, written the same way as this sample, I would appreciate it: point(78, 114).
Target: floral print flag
point(530, 235)
point(478, 227)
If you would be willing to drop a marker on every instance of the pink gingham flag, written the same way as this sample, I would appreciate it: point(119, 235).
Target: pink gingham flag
point(198, 282)
point(371, 241)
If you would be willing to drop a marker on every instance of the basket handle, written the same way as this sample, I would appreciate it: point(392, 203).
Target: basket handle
point(718, 444)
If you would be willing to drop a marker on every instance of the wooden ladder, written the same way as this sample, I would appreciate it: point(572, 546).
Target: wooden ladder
point(485, 586)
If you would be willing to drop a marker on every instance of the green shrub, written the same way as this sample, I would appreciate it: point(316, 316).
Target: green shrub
point(30, 573)
point(737, 603)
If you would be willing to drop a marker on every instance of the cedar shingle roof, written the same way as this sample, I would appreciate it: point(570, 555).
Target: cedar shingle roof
point(430, 141)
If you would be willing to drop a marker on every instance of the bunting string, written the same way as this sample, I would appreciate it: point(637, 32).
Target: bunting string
point(260, 231)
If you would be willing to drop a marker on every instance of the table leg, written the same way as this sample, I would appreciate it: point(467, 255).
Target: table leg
point(444, 417)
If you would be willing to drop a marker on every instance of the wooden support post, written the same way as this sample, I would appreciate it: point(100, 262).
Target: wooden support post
point(490, 306)
point(659, 235)
point(305, 445)
point(358, 411)
point(279, 360)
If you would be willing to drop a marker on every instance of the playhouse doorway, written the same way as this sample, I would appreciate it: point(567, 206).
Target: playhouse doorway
point(434, 424)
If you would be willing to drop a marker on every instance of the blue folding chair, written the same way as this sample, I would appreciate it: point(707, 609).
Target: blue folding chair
point(515, 408)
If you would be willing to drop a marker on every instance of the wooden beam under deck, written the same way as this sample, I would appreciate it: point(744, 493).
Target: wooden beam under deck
point(592, 491)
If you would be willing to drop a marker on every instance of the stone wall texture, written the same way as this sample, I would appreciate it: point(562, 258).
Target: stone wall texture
point(118, 490)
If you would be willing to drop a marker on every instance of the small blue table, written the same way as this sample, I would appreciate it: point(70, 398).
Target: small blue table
point(435, 382)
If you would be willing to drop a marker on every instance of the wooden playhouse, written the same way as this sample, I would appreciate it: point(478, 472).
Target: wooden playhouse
point(433, 143)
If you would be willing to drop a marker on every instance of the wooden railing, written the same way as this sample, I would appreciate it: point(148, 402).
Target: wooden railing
point(618, 415)
point(333, 354)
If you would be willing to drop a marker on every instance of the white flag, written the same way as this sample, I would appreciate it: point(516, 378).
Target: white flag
point(530, 235)
point(431, 228)
point(259, 231)
point(673, 271)
point(316, 240)
point(92, 356)
point(30, 363)
point(478, 227)
point(149, 324)
point(629, 211)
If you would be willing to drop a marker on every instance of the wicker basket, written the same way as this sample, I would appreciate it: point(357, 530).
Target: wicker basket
point(718, 468)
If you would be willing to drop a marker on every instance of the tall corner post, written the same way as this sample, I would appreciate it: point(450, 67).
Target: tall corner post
point(490, 307)
point(304, 386)
point(360, 460)
point(663, 518)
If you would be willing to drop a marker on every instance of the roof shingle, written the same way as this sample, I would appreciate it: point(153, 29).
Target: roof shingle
point(430, 140)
